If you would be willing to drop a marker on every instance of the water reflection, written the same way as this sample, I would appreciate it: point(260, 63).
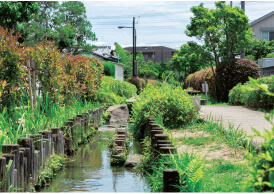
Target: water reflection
point(90, 171)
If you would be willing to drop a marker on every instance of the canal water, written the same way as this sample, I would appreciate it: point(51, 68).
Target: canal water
point(90, 171)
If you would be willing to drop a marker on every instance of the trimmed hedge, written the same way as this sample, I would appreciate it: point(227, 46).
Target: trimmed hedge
point(241, 95)
point(109, 69)
point(196, 80)
point(233, 71)
point(172, 104)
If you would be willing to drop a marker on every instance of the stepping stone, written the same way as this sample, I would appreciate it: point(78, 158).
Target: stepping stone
point(133, 160)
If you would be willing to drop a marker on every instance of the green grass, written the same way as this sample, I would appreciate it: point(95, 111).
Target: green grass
point(223, 176)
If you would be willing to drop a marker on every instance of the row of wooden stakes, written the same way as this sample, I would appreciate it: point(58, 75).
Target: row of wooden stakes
point(29, 156)
point(163, 147)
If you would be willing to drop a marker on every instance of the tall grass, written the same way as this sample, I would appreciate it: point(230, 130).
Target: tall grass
point(21, 121)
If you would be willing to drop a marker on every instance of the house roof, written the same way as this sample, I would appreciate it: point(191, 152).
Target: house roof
point(144, 49)
point(261, 18)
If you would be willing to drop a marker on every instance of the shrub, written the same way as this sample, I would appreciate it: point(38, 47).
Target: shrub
point(198, 78)
point(256, 98)
point(237, 95)
point(138, 82)
point(232, 72)
point(108, 99)
point(173, 104)
point(120, 88)
point(109, 69)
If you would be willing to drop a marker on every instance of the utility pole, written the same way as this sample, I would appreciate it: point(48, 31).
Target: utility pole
point(135, 67)
point(230, 3)
point(243, 8)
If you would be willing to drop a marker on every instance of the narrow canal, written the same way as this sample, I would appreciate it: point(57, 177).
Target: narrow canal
point(90, 171)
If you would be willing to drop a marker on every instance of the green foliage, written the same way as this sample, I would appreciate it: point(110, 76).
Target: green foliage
point(125, 58)
point(120, 88)
point(189, 59)
point(259, 49)
point(225, 30)
point(109, 69)
point(254, 98)
point(270, 55)
point(190, 169)
point(14, 12)
point(113, 92)
point(262, 165)
point(53, 165)
point(148, 70)
point(198, 78)
point(65, 23)
point(171, 103)
point(231, 72)
point(138, 82)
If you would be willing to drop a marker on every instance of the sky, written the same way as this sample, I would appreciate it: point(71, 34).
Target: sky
point(158, 23)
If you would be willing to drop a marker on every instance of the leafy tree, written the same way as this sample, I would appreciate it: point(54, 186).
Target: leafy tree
point(225, 31)
point(189, 59)
point(73, 27)
point(259, 48)
point(14, 12)
point(41, 26)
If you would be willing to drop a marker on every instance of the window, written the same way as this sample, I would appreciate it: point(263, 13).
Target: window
point(268, 36)
point(265, 36)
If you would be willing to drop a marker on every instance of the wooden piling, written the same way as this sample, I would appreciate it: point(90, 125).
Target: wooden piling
point(3, 177)
point(13, 149)
point(171, 180)
point(10, 174)
point(28, 143)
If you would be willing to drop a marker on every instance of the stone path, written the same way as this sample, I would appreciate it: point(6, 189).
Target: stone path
point(239, 116)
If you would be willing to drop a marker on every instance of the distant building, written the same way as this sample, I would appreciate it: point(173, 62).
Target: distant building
point(155, 54)
point(263, 28)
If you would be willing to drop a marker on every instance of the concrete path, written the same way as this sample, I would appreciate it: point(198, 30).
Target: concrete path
point(239, 116)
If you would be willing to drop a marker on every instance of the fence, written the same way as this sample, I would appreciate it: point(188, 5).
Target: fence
point(28, 157)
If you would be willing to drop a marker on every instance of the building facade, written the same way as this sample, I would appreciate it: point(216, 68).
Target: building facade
point(155, 54)
point(263, 28)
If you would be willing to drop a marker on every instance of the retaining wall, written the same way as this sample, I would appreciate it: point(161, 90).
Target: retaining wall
point(28, 157)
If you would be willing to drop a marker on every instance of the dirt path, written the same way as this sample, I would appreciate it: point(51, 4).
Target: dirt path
point(239, 116)
point(210, 150)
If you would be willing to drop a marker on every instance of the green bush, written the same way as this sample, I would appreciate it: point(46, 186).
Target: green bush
point(120, 88)
point(114, 92)
point(173, 104)
point(109, 69)
point(237, 95)
point(138, 82)
point(231, 72)
point(256, 98)
point(108, 99)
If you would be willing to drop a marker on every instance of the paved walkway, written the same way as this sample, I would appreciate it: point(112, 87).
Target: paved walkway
point(239, 116)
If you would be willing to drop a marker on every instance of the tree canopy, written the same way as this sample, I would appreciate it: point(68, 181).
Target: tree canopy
point(14, 12)
point(64, 23)
point(225, 30)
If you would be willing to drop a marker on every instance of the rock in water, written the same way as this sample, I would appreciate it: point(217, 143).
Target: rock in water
point(118, 113)
point(133, 160)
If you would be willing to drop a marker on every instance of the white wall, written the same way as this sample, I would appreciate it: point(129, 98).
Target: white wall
point(119, 72)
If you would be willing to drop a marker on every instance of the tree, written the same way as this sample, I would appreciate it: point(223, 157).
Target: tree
point(125, 58)
point(72, 27)
point(189, 59)
point(14, 12)
point(260, 48)
point(41, 26)
point(225, 31)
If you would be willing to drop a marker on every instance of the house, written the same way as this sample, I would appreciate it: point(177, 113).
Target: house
point(263, 28)
point(104, 53)
point(155, 54)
